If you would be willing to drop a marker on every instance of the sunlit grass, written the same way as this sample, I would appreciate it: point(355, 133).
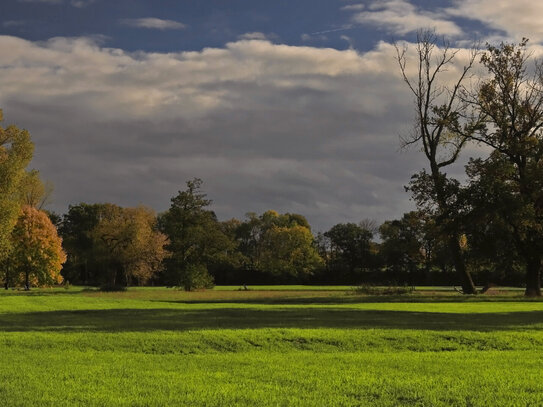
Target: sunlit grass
point(156, 346)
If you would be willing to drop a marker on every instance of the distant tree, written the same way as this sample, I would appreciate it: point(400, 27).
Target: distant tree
point(196, 240)
point(402, 247)
point(492, 223)
point(442, 128)
point(16, 150)
point(248, 235)
point(83, 265)
point(280, 246)
point(511, 103)
point(323, 246)
point(350, 252)
point(144, 256)
point(129, 243)
point(37, 253)
point(289, 252)
point(227, 266)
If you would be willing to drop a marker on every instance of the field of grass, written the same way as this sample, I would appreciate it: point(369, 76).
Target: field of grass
point(269, 346)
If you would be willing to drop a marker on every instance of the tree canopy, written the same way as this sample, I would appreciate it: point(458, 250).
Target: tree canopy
point(37, 254)
point(16, 149)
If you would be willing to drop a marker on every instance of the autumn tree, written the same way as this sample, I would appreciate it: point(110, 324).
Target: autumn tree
point(144, 256)
point(289, 252)
point(442, 128)
point(511, 103)
point(280, 246)
point(37, 254)
point(129, 243)
point(33, 191)
point(16, 150)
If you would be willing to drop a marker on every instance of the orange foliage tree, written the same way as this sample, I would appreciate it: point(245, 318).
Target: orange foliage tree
point(37, 255)
point(129, 243)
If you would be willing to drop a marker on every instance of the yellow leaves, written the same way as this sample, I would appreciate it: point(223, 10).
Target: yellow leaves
point(37, 248)
point(463, 242)
point(289, 250)
point(130, 237)
point(16, 150)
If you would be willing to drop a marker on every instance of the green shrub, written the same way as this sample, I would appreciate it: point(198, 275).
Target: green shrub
point(196, 277)
point(391, 290)
point(113, 288)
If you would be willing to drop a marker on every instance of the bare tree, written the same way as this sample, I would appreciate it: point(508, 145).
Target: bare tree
point(442, 128)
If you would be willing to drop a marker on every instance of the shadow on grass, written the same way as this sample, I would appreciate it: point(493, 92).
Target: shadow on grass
point(45, 293)
point(142, 320)
point(349, 298)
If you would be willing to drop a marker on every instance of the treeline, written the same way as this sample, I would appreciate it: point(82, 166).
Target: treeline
point(188, 247)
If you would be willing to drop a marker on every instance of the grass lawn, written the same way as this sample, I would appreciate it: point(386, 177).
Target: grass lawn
point(270, 346)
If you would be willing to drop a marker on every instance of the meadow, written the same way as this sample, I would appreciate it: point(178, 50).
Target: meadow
point(269, 346)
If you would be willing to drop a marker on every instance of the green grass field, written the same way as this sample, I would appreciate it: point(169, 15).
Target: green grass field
point(269, 346)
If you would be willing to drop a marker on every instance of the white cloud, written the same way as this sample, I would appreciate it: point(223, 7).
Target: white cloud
point(267, 126)
point(520, 18)
point(153, 23)
point(401, 17)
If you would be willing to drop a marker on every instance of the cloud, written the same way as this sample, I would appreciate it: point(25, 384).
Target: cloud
point(153, 23)
point(253, 36)
point(267, 126)
point(313, 37)
point(521, 18)
point(349, 40)
point(401, 17)
point(354, 7)
point(321, 35)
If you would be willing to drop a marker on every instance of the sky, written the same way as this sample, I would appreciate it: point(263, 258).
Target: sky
point(291, 105)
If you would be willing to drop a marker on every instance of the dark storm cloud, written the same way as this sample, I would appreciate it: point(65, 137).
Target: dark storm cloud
point(266, 126)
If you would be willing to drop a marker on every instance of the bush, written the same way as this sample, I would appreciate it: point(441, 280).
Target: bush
point(196, 277)
point(113, 288)
point(392, 290)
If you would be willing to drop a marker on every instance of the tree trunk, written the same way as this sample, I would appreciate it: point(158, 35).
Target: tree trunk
point(460, 266)
point(454, 243)
point(533, 277)
point(27, 283)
